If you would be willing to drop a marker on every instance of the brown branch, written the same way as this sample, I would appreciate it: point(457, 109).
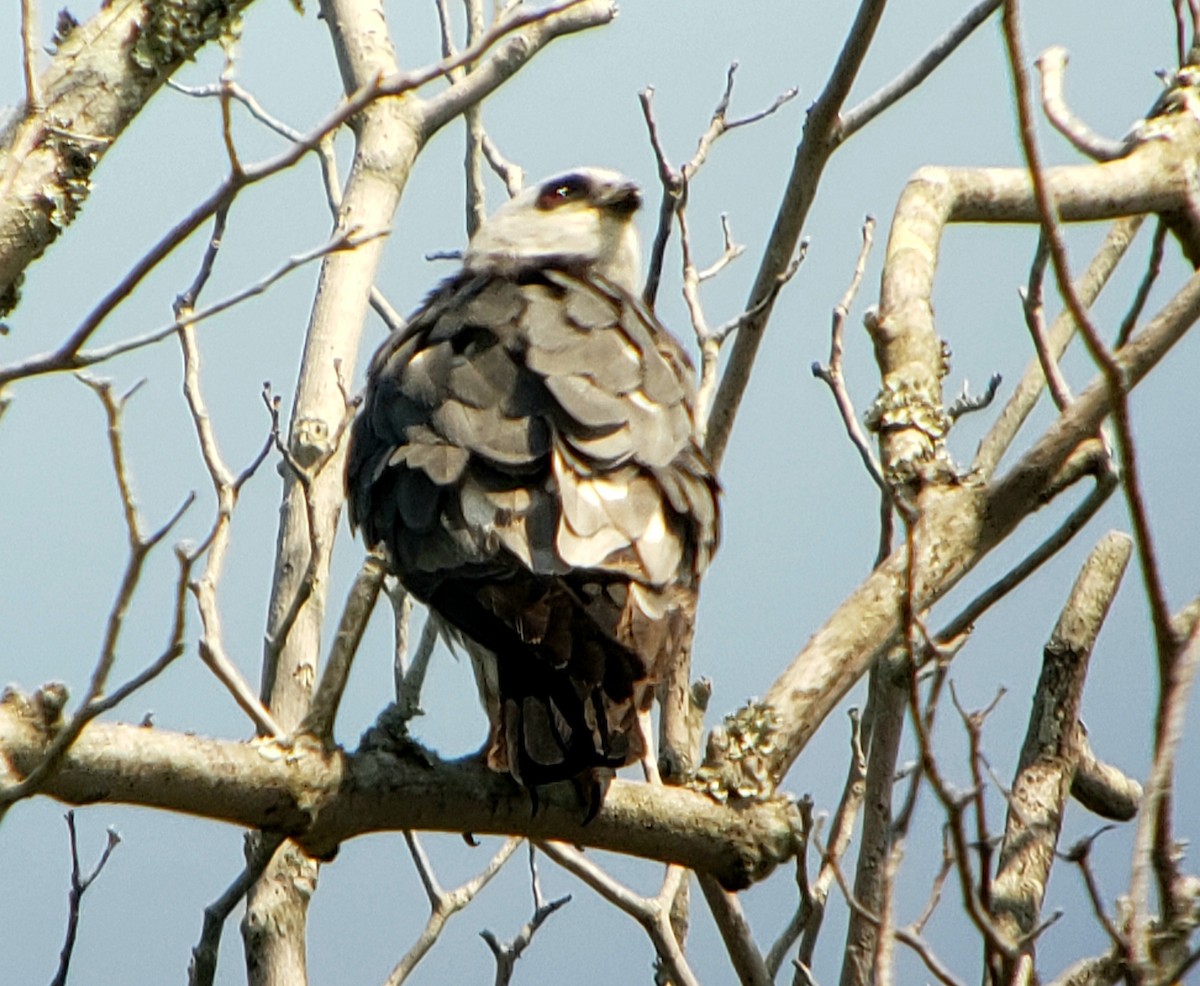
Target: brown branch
point(1029, 389)
point(79, 886)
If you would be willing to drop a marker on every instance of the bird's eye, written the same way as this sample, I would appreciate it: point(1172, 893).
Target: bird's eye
point(566, 189)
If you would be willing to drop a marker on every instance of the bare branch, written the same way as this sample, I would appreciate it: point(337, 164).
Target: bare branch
point(1033, 380)
point(871, 107)
point(832, 373)
point(79, 886)
point(443, 905)
point(736, 934)
point(507, 954)
point(139, 547)
point(359, 603)
point(1051, 63)
point(818, 143)
point(1153, 268)
point(652, 913)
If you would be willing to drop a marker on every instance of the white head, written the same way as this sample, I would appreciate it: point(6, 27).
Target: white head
point(583, 217)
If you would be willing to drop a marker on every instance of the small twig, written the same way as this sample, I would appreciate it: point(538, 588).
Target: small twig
point(553, 20)
point(832, 375)
point(1095, 461)
point(230, 89)
point(29, 56)
point(1153, 268)
point(810, 913)
point(443, 905)
point(1031, 305)
point(906, 936)
point(79, 886)
point(674, 183)
point(140, 545)
point(908, 80)
point(1051, 64)
point(260, 849)
point(1079, 854)
point(964, 403)
point(1033, 381)
point(508, 953)
point(652, 913)
point(322, 711)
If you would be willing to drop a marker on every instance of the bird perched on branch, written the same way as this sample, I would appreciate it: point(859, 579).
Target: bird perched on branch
point(526, 456)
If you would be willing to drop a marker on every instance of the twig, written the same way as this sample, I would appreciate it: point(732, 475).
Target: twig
point(227, 488)
point(260, 848)
point(139, 546)
point(1028, 390)
point(29, 55)
point(1051, 63)
point(1153, 268)
point(811, 912)
point(79, 886)
point(875, 104)
point(652, 913)
point(1109, 367)
point(674, 183)
point(443, 905)
point(832, 373)
point(508, 953)
point(1167, 647)
point(964, 403)
point(906, 936)
point(230, 89)
point(360, 602)
point(1079, 854)
point(1031, 305)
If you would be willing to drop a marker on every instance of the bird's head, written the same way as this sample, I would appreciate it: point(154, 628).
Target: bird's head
point(581, 218)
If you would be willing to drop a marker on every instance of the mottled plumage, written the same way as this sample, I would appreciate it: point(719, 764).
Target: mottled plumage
point(525, 454)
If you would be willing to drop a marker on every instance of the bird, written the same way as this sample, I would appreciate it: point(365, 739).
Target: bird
point(525, 457)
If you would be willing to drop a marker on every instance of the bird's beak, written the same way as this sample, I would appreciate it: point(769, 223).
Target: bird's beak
point(623, 198)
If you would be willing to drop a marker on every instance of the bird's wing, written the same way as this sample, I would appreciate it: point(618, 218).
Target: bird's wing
point(546, 423)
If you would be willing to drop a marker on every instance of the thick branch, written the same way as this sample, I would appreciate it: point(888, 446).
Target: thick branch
point(322, 799)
